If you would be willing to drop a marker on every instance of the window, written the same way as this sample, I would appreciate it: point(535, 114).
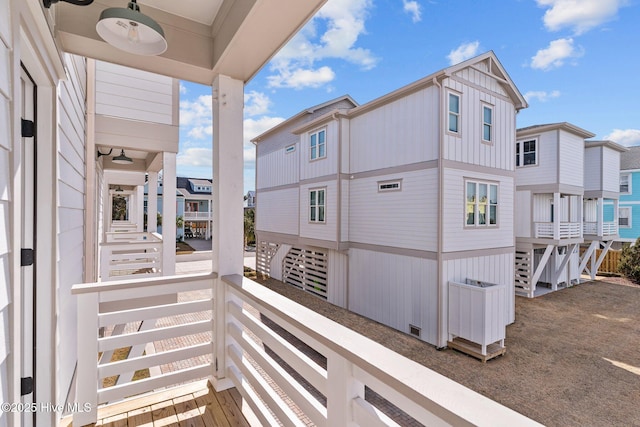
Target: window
point(625, 184)
point(317, 144)
point(389, 185)
point(454, 113)
point(290, 149)
point(526, 153)
point(487, 123)
point(624, 217)
point(316, 205)
point(481, 204)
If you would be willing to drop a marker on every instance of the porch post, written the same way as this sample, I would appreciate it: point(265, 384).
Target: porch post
point(152, 202)
point(228, 163)
point(168, 214)
point(139, 207)
point(557, 216)
point(580, 218)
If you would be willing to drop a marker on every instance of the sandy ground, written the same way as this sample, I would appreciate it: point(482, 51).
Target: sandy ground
point(573, 356)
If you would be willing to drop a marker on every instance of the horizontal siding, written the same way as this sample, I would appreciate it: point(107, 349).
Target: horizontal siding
point(546, 171)
point(133, 94)
point(467, 147)
point(277, 168)
point(322, 231)
point(395, 290)
point(523, 214)
point(278, 211)
point(593, 169)
point(611, 175)
point(402, 219)
point(457, 237)
point(319, 167)
point(498, 269)
point(571, 159)
point(399, 133)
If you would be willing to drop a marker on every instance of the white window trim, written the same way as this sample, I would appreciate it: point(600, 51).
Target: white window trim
point(491, 125)
point(317, 221)
point(520, 144)
point(628, 209)
point(391, 185)
point(317, 132)
point(629, 189)
point(458, 114)
point(487, 204)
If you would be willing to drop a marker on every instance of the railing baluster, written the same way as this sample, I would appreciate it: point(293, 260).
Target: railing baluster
point(87, 377)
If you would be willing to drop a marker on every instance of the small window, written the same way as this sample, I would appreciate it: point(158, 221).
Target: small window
point(625, 184)
point(487, 123)
point(526, 152)
point(389, 185)
point(481, 204)
point(317, 144)
point(290, 149)
point(454, 113)
point(316, 205)
point(624, 217)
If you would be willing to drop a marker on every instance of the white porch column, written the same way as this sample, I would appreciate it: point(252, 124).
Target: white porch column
point(152, 202)
point(580, 216)
point(599, 216)
point(139, 208)
point(168, 214)
point(228, 189)
point(557, 216)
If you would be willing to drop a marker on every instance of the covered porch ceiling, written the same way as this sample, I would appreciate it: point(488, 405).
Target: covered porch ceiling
point(205, 37)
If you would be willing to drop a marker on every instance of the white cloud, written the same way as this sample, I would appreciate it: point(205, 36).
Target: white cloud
point(463, 52)
point(183, 89)
point(626, 137)
point(196, 117)
point(541, 96)
point(256, 103)
point(555, 54)
point(580, 15)
point(294, 66)
point(412, 7)
point(200, 157)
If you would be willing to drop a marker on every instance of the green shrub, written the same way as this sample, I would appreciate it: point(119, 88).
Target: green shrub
point(629, 265)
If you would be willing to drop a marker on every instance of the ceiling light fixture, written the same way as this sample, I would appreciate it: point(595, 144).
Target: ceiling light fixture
point(130, 30)
point(104, 154)
point(122, 159)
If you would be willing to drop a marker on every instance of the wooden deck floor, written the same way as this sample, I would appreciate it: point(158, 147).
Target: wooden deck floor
point(192, 405)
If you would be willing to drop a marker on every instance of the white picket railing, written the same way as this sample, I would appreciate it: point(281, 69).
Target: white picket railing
point(123, 226)
point(198, 215)
point(568, 230)
point(124, 255)
point(608, 228)
point(328, 366)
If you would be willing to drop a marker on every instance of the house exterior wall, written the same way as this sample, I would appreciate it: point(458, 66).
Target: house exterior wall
point(611, 170)
point(321, 167)
point(325, 232)
point(134, 94)
point(413, 300)
point(593, 178)
point(278, 167)
point(524, 214)
point(631, 201)
point(571, 158)
point(279, 211)
point(337, 277)
point(546, 170)
point(71, 199)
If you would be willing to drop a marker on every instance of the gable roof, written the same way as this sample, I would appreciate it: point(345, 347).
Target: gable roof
point(630, 159)
point(553, 126)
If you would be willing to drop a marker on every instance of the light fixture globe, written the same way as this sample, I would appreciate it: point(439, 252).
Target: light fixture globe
point(122, 159)
point(130, 30)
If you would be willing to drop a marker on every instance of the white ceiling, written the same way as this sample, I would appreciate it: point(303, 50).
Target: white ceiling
point(202, 11)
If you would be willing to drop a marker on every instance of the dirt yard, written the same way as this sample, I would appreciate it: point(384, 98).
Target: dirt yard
point(573, 356)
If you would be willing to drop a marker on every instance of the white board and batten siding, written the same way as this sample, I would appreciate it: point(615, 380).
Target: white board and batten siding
point(5, 201)
point(405, 218)
point(546, 170)
point(399, 133)
point(395, 290)
point(71, 198)
point(279, 211)
point(593, 158)
point(320, 167)
point(523, 218)
point(459, 237)
point(571, 153)
point(277, 167)
point(467, 146)
point(337, 269)
point(315, 230)
point(134, 94)
point(611, 170)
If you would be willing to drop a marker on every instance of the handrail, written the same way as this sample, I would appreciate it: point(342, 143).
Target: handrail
point(117, 285)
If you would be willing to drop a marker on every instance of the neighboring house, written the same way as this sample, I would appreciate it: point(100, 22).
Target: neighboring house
point(198, 206)
point(562, 183)
point(629, 209)
point(250, 200)
point(160, 209)
point(379, 207)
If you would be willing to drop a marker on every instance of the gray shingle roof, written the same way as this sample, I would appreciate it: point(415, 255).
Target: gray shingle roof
point(630, 159)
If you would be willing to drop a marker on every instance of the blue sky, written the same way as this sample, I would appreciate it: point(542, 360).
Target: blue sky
point(574, 60)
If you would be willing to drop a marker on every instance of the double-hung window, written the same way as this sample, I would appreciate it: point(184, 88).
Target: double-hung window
point(625, 183)
point(317, 144)
point(487, 123)
point(481, 204)
point(624, 217)
point(316, 205)
point(526, 152)
point(454, 113)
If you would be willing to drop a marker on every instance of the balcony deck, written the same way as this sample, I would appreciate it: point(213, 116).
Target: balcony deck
point(193, 404)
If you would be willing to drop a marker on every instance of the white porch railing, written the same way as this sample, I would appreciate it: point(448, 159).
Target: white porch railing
point(123, 226)
point(608, 228)
point(198, 215)
point(126, 254)
point(255, 324)
point(568, 230)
